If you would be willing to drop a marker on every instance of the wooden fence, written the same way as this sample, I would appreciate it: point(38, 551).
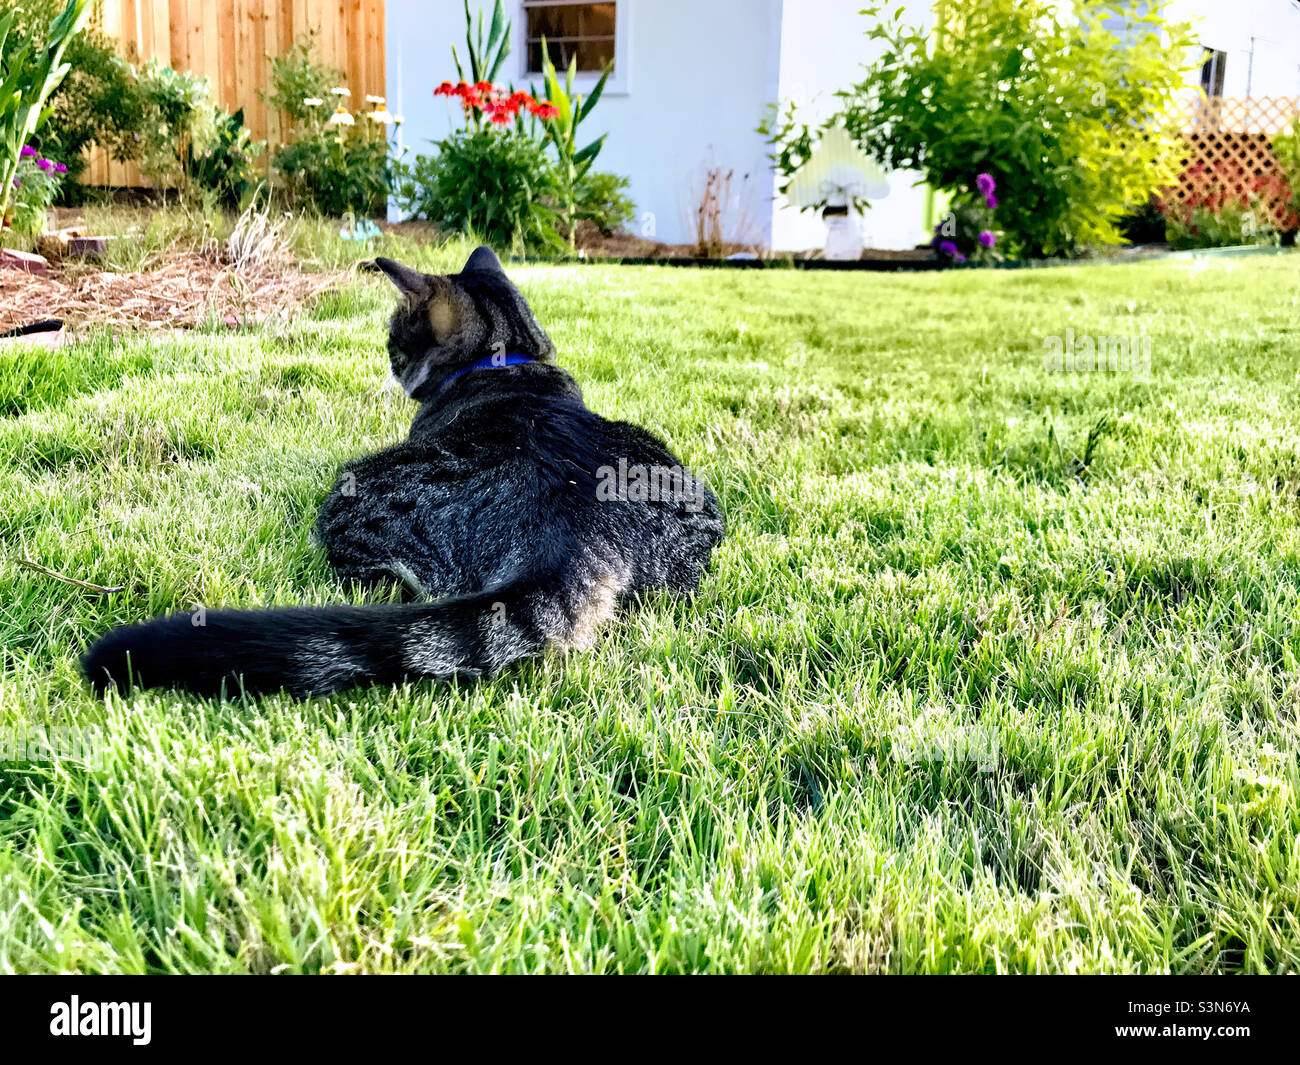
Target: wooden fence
point(229, 41)
point(1229, 156)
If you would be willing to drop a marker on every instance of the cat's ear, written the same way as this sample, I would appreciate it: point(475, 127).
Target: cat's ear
point(444, 310)
point(485, 259)
point(409, 282)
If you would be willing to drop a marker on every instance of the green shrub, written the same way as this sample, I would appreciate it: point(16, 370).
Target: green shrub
point(179, 124)
point(96, 103)
point(338, 174)
point(601, 199)
point(496, 184)
point(1070, 117)
point(225, 170)
point(336, 161)
point(301, 87)
point(1223, 203)
point(494, 178)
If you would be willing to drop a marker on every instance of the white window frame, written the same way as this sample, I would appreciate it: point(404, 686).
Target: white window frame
point(619, 80)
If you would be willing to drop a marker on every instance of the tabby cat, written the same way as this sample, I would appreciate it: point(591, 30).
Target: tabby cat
point(516, 517)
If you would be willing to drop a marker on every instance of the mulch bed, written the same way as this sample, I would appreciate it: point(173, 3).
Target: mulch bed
point(187, 290)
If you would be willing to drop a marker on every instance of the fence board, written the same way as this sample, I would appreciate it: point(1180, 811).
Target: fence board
point(229, 41)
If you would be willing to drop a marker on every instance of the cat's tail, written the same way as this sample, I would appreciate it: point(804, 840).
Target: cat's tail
point(317, 650)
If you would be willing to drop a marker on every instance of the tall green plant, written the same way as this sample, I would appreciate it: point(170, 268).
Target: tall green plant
point(301, 86)
point(27, 77)
point(96, 103)
point(572, 162)
point(486, 54)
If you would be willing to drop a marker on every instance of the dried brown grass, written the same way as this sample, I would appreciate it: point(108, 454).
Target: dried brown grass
point(189, 288)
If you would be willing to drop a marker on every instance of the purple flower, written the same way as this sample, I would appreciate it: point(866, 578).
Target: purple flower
point(948, 248)
point(28, 151)
point(959, 258)
point(988, 239)
point(986, 184)
point(44, 164)
point(60, 168)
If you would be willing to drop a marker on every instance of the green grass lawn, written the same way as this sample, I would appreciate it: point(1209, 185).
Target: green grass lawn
point(963, 693)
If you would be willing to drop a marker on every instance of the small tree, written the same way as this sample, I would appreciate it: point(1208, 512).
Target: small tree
point(1071, 117)
point(27, 77)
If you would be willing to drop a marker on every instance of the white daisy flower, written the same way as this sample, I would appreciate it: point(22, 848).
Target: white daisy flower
point(342, 117)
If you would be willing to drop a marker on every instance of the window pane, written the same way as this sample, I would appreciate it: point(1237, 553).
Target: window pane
point(582, 30)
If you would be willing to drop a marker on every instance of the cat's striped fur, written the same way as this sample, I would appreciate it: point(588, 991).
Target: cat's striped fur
point(491, 509)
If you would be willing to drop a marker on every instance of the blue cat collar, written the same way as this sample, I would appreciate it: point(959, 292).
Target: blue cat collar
point(488, 362)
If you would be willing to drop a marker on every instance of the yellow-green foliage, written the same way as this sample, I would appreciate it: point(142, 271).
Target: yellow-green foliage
point(1072, 118)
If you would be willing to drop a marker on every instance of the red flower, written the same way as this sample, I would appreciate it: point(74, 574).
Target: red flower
point(495, 102)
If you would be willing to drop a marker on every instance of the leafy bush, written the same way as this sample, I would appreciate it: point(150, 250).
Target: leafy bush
point(601, 200)
point(225, 170)
point(496, 184)
point(334, 175)
point(96, 103)
point(29, 73)
point(337, 161)
point(1068, 116)
point(494, 178)
point(35, 185)
point(179, 124)
point(300, 86)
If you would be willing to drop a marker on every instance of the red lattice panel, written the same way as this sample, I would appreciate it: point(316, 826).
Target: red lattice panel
point(1229, 158)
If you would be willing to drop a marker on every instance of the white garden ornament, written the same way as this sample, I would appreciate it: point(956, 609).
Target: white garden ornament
point(836, 177)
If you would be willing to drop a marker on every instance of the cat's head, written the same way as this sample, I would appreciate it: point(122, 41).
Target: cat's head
point(443, 322)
